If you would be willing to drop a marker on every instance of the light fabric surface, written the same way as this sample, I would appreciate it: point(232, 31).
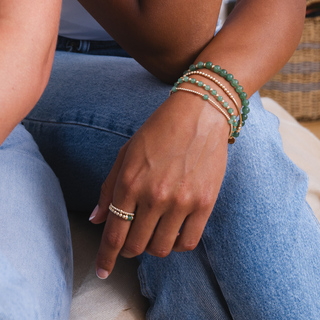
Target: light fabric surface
point(119, 298)
point(302, 147)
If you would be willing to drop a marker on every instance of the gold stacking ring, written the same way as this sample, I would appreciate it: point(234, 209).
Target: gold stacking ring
point(120, 213)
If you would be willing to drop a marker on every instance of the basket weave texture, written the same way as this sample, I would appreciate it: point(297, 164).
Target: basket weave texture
point(297, 85)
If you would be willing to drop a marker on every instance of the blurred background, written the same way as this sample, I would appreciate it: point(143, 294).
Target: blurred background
point(297, 85)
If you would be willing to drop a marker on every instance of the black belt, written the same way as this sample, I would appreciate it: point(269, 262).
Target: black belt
point(110, 48)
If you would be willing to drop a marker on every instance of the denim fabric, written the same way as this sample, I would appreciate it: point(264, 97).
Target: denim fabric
point(85, 115)
point(259, 256)
point(35, 243)
point(261, 242)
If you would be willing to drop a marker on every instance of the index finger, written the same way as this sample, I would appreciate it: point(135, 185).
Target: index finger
point(113, 238)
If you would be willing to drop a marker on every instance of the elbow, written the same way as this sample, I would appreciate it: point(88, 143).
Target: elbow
point(165, 55)
point(170, 67)
point(169, 64)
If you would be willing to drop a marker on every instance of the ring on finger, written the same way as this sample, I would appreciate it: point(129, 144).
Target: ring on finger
point(121, 213)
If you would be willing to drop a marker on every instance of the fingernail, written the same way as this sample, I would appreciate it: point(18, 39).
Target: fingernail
point(102, 274)
point(94, 212)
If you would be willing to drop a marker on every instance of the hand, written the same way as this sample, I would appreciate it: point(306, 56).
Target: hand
point(169, 173)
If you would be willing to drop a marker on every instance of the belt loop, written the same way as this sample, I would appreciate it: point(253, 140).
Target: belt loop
point(84, 46)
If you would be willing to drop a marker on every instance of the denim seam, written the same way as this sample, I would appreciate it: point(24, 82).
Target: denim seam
point(81, 125)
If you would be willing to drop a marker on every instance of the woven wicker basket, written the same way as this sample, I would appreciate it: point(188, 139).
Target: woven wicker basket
point(297, 86)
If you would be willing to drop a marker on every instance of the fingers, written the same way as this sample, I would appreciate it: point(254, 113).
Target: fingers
point(141, 231)
point(147, 233)
point(166, 233)
point(153, 231)
point(192, 231)
point(113, 238)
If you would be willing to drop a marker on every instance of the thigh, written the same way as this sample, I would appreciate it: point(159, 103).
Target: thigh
point(182, 286)
point(260, 250)
point(90, 108)
point(34, 230)
point(256, 241)
point(262, 239)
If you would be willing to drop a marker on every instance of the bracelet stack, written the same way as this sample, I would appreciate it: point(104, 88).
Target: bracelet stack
point(235, 124)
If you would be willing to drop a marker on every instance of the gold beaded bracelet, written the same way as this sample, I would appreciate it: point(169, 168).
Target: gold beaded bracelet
point(233, 118)
point(217, 82)
point(234, 83)
point(231, 139)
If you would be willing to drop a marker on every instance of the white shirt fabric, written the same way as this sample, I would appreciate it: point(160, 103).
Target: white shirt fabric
point(77, 23)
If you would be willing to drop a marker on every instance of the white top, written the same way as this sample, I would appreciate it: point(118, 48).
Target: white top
point(77, 23)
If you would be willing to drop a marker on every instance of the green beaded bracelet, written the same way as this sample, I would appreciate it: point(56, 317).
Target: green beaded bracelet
point(234, 83)
point(223, 88)
point(231, 138)
point(214, 93)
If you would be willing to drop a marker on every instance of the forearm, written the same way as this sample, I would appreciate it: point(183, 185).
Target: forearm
point(257, 40)
point(166, 36)
point(163, 36)
point(28, 31)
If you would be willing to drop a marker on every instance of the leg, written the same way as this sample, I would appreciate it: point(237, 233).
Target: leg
point(91, 107)
point(80, 133)
point(35, 245)
point(261, 243)
point(17, 298)
point(86, 128)
point(262, 240)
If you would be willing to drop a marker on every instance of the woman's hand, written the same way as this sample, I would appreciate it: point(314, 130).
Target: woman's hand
point(169, 173)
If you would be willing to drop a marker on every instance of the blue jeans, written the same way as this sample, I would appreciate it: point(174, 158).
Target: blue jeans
point(259, 257)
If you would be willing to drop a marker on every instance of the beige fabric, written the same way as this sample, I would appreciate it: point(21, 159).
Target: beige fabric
point(118, 297)
point(302, 147)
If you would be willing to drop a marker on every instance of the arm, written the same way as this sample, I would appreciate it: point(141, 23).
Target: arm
point(173, 178)
point(163, 36)
point(167, 36)
point(28, 31)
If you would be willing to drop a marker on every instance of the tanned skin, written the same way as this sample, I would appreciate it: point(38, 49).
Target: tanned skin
point(171, 170)
point(28, 33)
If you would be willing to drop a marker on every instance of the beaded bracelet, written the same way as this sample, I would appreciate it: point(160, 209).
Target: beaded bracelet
point(223, 88)
point(234, 83)
point(233, 119)
point(231, 139)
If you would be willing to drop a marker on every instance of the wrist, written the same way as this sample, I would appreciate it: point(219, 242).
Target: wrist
point(229, 112)
point(193, 110)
